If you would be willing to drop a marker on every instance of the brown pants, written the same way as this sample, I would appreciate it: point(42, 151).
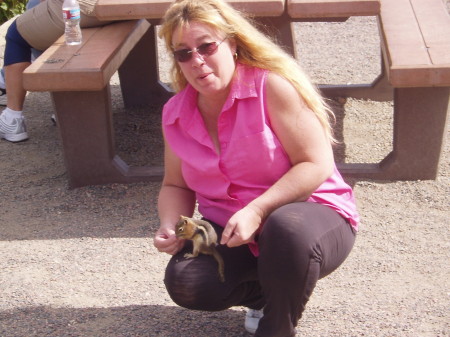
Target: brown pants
point(299, 244)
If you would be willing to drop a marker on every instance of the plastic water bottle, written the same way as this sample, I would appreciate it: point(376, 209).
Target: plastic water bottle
point(71, 15)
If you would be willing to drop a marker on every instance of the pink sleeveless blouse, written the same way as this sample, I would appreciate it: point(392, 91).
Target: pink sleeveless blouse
point(251, 157)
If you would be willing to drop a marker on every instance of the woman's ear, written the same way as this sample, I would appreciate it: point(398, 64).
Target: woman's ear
point(233, 45)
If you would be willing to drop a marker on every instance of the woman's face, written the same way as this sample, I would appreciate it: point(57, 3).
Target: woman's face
point(210, 74)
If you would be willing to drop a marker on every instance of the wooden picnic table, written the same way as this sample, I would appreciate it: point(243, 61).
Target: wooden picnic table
point(415, 75)
point(279, 14)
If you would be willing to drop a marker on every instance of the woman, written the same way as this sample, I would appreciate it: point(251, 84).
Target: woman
point(37, 28)
point(248, 137)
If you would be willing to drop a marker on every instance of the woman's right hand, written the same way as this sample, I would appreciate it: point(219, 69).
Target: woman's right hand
point(166, 241)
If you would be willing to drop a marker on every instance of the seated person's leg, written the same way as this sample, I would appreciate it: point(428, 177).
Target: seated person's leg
point(36, 53)
point(17, 58)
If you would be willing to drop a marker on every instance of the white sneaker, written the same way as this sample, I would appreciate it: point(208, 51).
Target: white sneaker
point(14, 132)
point(252, 318)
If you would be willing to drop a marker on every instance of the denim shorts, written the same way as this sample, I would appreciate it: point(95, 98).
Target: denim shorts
point(16, 49)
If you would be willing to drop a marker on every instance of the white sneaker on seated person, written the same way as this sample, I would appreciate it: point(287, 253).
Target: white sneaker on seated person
point(12, 126)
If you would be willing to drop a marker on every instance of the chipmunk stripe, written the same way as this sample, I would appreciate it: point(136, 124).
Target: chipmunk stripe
point(204, 233)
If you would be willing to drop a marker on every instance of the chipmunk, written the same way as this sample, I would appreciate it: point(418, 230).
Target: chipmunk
point(203, 237)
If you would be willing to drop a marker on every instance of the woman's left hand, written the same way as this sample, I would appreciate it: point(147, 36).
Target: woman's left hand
point(242, 227)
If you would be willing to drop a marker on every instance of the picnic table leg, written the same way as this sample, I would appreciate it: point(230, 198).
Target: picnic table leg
point(139, 80)
point(283, 31)
point(420, 120)
point(419, 130)
point(85, 122)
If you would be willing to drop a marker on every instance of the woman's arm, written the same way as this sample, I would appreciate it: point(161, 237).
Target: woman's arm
point(175, 199)
point(309, 150)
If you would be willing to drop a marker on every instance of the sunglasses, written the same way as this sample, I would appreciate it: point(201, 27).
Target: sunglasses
point(205, 49)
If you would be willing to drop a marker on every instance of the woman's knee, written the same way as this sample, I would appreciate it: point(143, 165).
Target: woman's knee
point(296, 230)
point(286, 224)
point(305, 232)
point(194, 285)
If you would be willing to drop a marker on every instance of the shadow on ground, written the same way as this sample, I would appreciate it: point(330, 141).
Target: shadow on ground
point(147, 320)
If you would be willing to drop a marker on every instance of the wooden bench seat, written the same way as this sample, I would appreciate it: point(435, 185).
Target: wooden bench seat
point(415, 74)
point(78, 78)
point(86, 67)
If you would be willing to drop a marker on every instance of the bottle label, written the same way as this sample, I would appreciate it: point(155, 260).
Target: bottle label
point(71, 14)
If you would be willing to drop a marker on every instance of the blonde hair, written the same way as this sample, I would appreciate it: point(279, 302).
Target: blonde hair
point(253, 48)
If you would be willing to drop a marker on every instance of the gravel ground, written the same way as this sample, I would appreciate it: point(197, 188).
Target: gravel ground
point(81, 262)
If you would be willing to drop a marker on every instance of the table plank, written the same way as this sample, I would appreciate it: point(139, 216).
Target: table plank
point(402, 33)
point(436, 32)
point(315, 9)
point(155, 9)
